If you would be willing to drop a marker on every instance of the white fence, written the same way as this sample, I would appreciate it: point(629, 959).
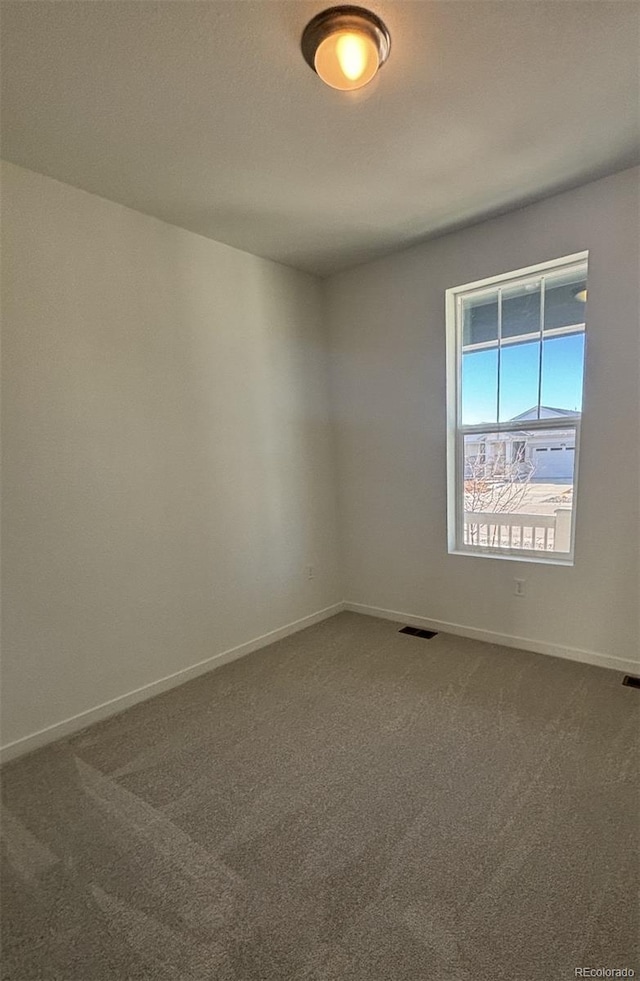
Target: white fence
point(546, 532)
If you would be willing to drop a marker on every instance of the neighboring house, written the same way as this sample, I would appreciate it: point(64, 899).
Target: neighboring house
point(548, 456)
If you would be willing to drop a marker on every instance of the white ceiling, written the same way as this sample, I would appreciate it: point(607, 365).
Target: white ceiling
point(205, 114)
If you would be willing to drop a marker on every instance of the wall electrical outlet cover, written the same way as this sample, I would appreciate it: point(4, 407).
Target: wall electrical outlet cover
point(519, 587)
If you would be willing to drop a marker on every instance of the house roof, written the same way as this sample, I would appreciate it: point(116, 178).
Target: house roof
point(546, 412)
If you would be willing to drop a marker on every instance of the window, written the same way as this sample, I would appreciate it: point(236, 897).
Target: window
point(515, 358)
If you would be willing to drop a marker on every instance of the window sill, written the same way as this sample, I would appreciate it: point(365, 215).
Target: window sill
point(514, 557)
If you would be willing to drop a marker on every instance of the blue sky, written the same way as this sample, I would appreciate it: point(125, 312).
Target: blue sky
point(562, 370)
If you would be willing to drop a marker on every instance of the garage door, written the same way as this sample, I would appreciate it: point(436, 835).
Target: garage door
point(554, 462)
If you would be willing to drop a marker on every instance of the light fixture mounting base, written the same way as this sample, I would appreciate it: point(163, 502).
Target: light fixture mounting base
point(344, 18)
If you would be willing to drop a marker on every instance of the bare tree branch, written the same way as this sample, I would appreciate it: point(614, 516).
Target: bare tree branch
point(493, 484)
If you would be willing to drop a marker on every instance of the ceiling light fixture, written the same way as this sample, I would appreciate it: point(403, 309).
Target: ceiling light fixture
point(580, 294)
point(345, 46)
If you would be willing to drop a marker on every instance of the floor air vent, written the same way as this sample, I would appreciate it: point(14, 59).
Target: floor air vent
point(416, 632)
point(631, 681)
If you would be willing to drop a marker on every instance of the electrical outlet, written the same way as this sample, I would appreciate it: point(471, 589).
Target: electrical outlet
point(519, 588)
point(311, 572)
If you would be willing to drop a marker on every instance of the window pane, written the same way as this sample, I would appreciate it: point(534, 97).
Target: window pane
point(518, 490)
point(562, 371)
point(521, 310)
point(562, 304)
point(480, 319)
point(479, 386)
point(519, 377)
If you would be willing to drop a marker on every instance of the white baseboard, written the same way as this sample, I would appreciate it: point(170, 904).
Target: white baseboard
point(77, 722)
point(68, 726)
point(625, 665)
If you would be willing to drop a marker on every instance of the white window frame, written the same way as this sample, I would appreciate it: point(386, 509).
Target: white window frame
point(456, 431)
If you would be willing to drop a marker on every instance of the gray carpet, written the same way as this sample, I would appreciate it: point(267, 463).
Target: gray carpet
point(349, 803)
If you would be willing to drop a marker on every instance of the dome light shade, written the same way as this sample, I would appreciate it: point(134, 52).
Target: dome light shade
point(345, 60)
point(345, 46)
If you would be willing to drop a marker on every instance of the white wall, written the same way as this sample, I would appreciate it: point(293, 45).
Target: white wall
point(167, 450)
point(388, 356)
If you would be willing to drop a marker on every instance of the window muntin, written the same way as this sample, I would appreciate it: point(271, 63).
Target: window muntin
point(515, 348)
